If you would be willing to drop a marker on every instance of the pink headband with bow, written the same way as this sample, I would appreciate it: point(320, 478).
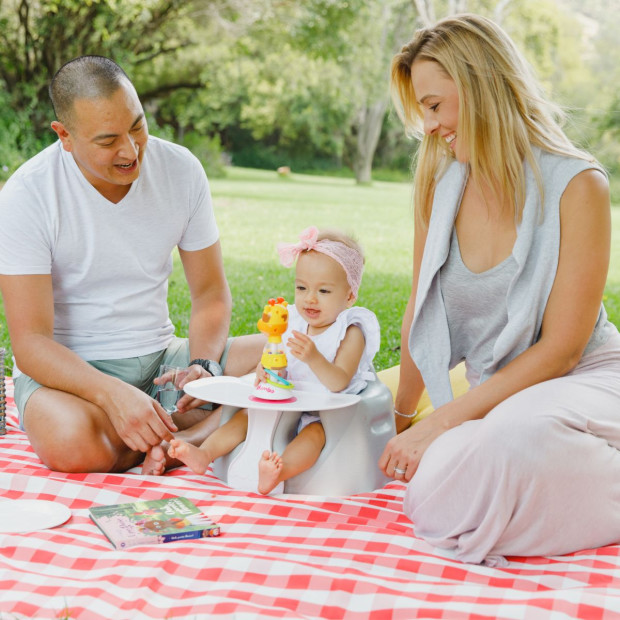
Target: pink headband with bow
point(350, 259)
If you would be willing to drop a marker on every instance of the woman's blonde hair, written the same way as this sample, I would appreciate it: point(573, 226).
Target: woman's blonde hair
point(502, 110)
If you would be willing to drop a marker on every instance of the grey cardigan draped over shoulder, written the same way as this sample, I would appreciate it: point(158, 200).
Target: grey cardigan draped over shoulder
point(536, 252)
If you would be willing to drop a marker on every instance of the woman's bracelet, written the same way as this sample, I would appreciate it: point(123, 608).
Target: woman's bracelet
point(410, 416)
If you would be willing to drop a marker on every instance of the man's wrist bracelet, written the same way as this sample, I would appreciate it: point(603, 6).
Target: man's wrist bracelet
point(410, 416)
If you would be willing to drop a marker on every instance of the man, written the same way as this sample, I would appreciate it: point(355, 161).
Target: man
point(87, 228)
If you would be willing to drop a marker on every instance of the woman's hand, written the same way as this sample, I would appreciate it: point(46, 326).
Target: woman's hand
point(403, 453)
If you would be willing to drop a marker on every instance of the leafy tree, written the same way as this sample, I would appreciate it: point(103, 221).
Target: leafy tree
point(596, 95)
point(362, 36)
point(302, 81)
point(384, 29)
point(36, 38)
point(158, 42)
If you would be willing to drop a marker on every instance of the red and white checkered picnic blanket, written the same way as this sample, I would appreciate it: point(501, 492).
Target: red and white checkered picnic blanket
point(294, 557)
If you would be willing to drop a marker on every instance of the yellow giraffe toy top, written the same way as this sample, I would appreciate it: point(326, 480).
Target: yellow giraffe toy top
point(273, 323)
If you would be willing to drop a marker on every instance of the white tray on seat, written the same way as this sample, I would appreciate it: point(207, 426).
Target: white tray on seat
point(357, 427)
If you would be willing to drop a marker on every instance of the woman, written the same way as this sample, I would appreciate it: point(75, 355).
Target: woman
point(511, 251)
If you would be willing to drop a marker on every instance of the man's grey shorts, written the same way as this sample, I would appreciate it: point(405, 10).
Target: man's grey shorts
point(137, 371)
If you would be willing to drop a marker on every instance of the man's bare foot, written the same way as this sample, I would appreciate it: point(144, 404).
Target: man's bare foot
point(269, 470)
point(195, 458)
point(154, 462)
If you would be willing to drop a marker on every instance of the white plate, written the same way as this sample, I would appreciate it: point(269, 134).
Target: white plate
point(30, 515)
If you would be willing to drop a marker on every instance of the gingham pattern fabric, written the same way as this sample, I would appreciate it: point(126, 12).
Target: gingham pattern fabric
point(293, 557)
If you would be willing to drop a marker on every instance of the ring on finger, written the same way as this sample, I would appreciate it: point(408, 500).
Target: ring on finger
point(397, 470)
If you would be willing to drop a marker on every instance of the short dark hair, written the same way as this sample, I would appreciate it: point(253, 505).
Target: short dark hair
point(85, 77)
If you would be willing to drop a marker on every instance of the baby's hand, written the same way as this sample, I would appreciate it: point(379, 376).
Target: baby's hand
point(261, 375)
point(302, 347)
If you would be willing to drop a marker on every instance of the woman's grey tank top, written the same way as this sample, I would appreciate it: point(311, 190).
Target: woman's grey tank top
point(475, 308)
point(536, 251)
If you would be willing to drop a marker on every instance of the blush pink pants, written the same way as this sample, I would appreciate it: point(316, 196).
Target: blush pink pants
point(539, 475)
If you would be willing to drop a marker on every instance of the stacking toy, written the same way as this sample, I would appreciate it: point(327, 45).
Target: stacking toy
point(273, 323)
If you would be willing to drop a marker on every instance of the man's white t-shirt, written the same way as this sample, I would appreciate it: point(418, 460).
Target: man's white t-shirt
point(109, 262)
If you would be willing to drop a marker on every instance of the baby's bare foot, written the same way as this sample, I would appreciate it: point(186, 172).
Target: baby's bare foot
point(154, 462)
point(195, 458)
point(269, 470)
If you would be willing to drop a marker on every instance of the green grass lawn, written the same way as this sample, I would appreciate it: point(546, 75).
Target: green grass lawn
point(256, 209)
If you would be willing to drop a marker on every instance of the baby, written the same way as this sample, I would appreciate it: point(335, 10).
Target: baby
point(328, 342)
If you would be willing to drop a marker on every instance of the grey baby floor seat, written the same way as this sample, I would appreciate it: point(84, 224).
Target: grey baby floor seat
point(355, 438)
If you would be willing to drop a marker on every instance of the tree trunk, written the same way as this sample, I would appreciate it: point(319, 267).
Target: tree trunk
point(371, 115)
point(426, 11)
point(369, 130)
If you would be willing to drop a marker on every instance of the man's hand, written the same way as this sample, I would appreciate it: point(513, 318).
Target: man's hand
point(187, 402)
point(140, 421)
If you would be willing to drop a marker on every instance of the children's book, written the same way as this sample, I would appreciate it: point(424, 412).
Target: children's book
point(152, 522)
